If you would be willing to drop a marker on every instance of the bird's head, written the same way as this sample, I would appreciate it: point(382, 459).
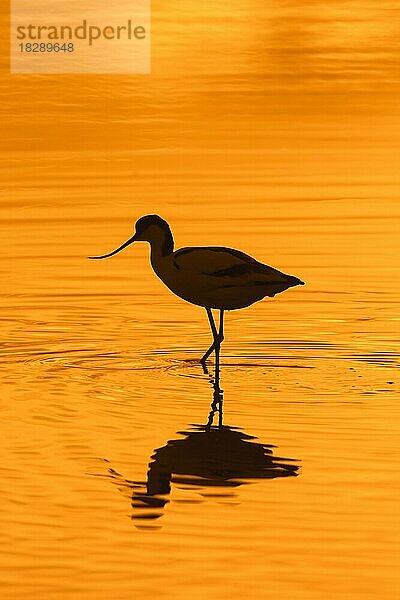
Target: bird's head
point(152, 229)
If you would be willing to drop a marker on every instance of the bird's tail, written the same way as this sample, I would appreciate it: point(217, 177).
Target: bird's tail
point(292, 281)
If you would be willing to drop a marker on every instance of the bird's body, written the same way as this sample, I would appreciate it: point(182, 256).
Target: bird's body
point(211, 277)
point(217, 277)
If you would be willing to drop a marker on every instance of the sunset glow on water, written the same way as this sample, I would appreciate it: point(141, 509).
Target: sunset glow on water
point(268, 127)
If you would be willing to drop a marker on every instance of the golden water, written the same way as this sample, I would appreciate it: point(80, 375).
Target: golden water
point(273, 129)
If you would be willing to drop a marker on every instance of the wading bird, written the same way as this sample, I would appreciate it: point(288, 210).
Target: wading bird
point(212, 277)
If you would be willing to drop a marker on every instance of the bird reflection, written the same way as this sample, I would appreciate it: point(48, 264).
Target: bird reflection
point(210, 458)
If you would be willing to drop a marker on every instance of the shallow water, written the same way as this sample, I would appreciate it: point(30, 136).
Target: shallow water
point(290, 157)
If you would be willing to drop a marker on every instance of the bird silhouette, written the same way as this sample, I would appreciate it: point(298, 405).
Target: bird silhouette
point(212, 277)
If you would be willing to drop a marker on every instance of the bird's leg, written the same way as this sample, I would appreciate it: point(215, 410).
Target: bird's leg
point(221, 327)
point(205, 368)
point(215, 336)
point(218, 341)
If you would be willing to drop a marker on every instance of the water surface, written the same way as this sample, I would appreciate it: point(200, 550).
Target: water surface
point(270, 129)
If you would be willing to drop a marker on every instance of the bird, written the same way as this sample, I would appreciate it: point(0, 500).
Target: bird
point(212, 277)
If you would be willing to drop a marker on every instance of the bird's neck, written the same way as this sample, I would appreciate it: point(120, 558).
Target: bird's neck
point(161, 247)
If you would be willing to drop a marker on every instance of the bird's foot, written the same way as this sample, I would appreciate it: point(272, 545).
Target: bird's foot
point(205, 368)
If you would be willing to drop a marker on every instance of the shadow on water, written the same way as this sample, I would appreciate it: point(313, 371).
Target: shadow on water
point(211, 456)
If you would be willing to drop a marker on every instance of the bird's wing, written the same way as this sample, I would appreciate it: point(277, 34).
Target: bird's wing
point(220, 262)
